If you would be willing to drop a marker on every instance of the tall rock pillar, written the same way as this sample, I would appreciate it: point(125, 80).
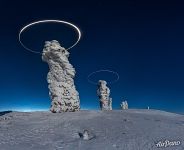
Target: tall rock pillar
point(62, 91)
point(103, 93)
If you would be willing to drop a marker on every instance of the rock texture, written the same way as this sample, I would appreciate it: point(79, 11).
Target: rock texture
point(124, 105)
point(62, 90)
point(103, 93)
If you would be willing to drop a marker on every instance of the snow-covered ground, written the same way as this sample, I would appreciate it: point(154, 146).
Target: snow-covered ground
point(111, 130)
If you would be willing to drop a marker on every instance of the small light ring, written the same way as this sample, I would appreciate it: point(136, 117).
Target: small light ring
point(98, 71)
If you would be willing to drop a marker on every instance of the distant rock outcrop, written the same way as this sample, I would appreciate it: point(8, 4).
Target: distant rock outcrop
point(103, 93)
point(124, 105)
point(62, 90)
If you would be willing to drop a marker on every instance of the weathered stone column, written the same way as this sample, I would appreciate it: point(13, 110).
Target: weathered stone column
point(124, 105)
point(103, 93)
point(62, 91)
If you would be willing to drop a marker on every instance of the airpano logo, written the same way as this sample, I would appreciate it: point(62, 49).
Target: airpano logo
point(167, 143)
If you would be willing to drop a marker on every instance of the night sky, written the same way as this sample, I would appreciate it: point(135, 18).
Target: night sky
point(141, 40)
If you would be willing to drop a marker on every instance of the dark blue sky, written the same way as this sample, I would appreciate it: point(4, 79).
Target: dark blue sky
point(141, 40)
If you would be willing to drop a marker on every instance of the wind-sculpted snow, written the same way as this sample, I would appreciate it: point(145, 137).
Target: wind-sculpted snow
point(62, 90)
point(111, 130)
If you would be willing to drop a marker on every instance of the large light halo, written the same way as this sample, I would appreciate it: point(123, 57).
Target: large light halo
point(98, 71)
point(45, 21)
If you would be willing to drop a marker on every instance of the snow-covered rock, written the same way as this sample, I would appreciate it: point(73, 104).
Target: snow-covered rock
point(124, 105)
point(103, 93)
point(62, 90)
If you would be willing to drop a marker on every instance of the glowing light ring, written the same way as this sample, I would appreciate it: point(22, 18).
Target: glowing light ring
point(46, 21)
point(110, 71)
